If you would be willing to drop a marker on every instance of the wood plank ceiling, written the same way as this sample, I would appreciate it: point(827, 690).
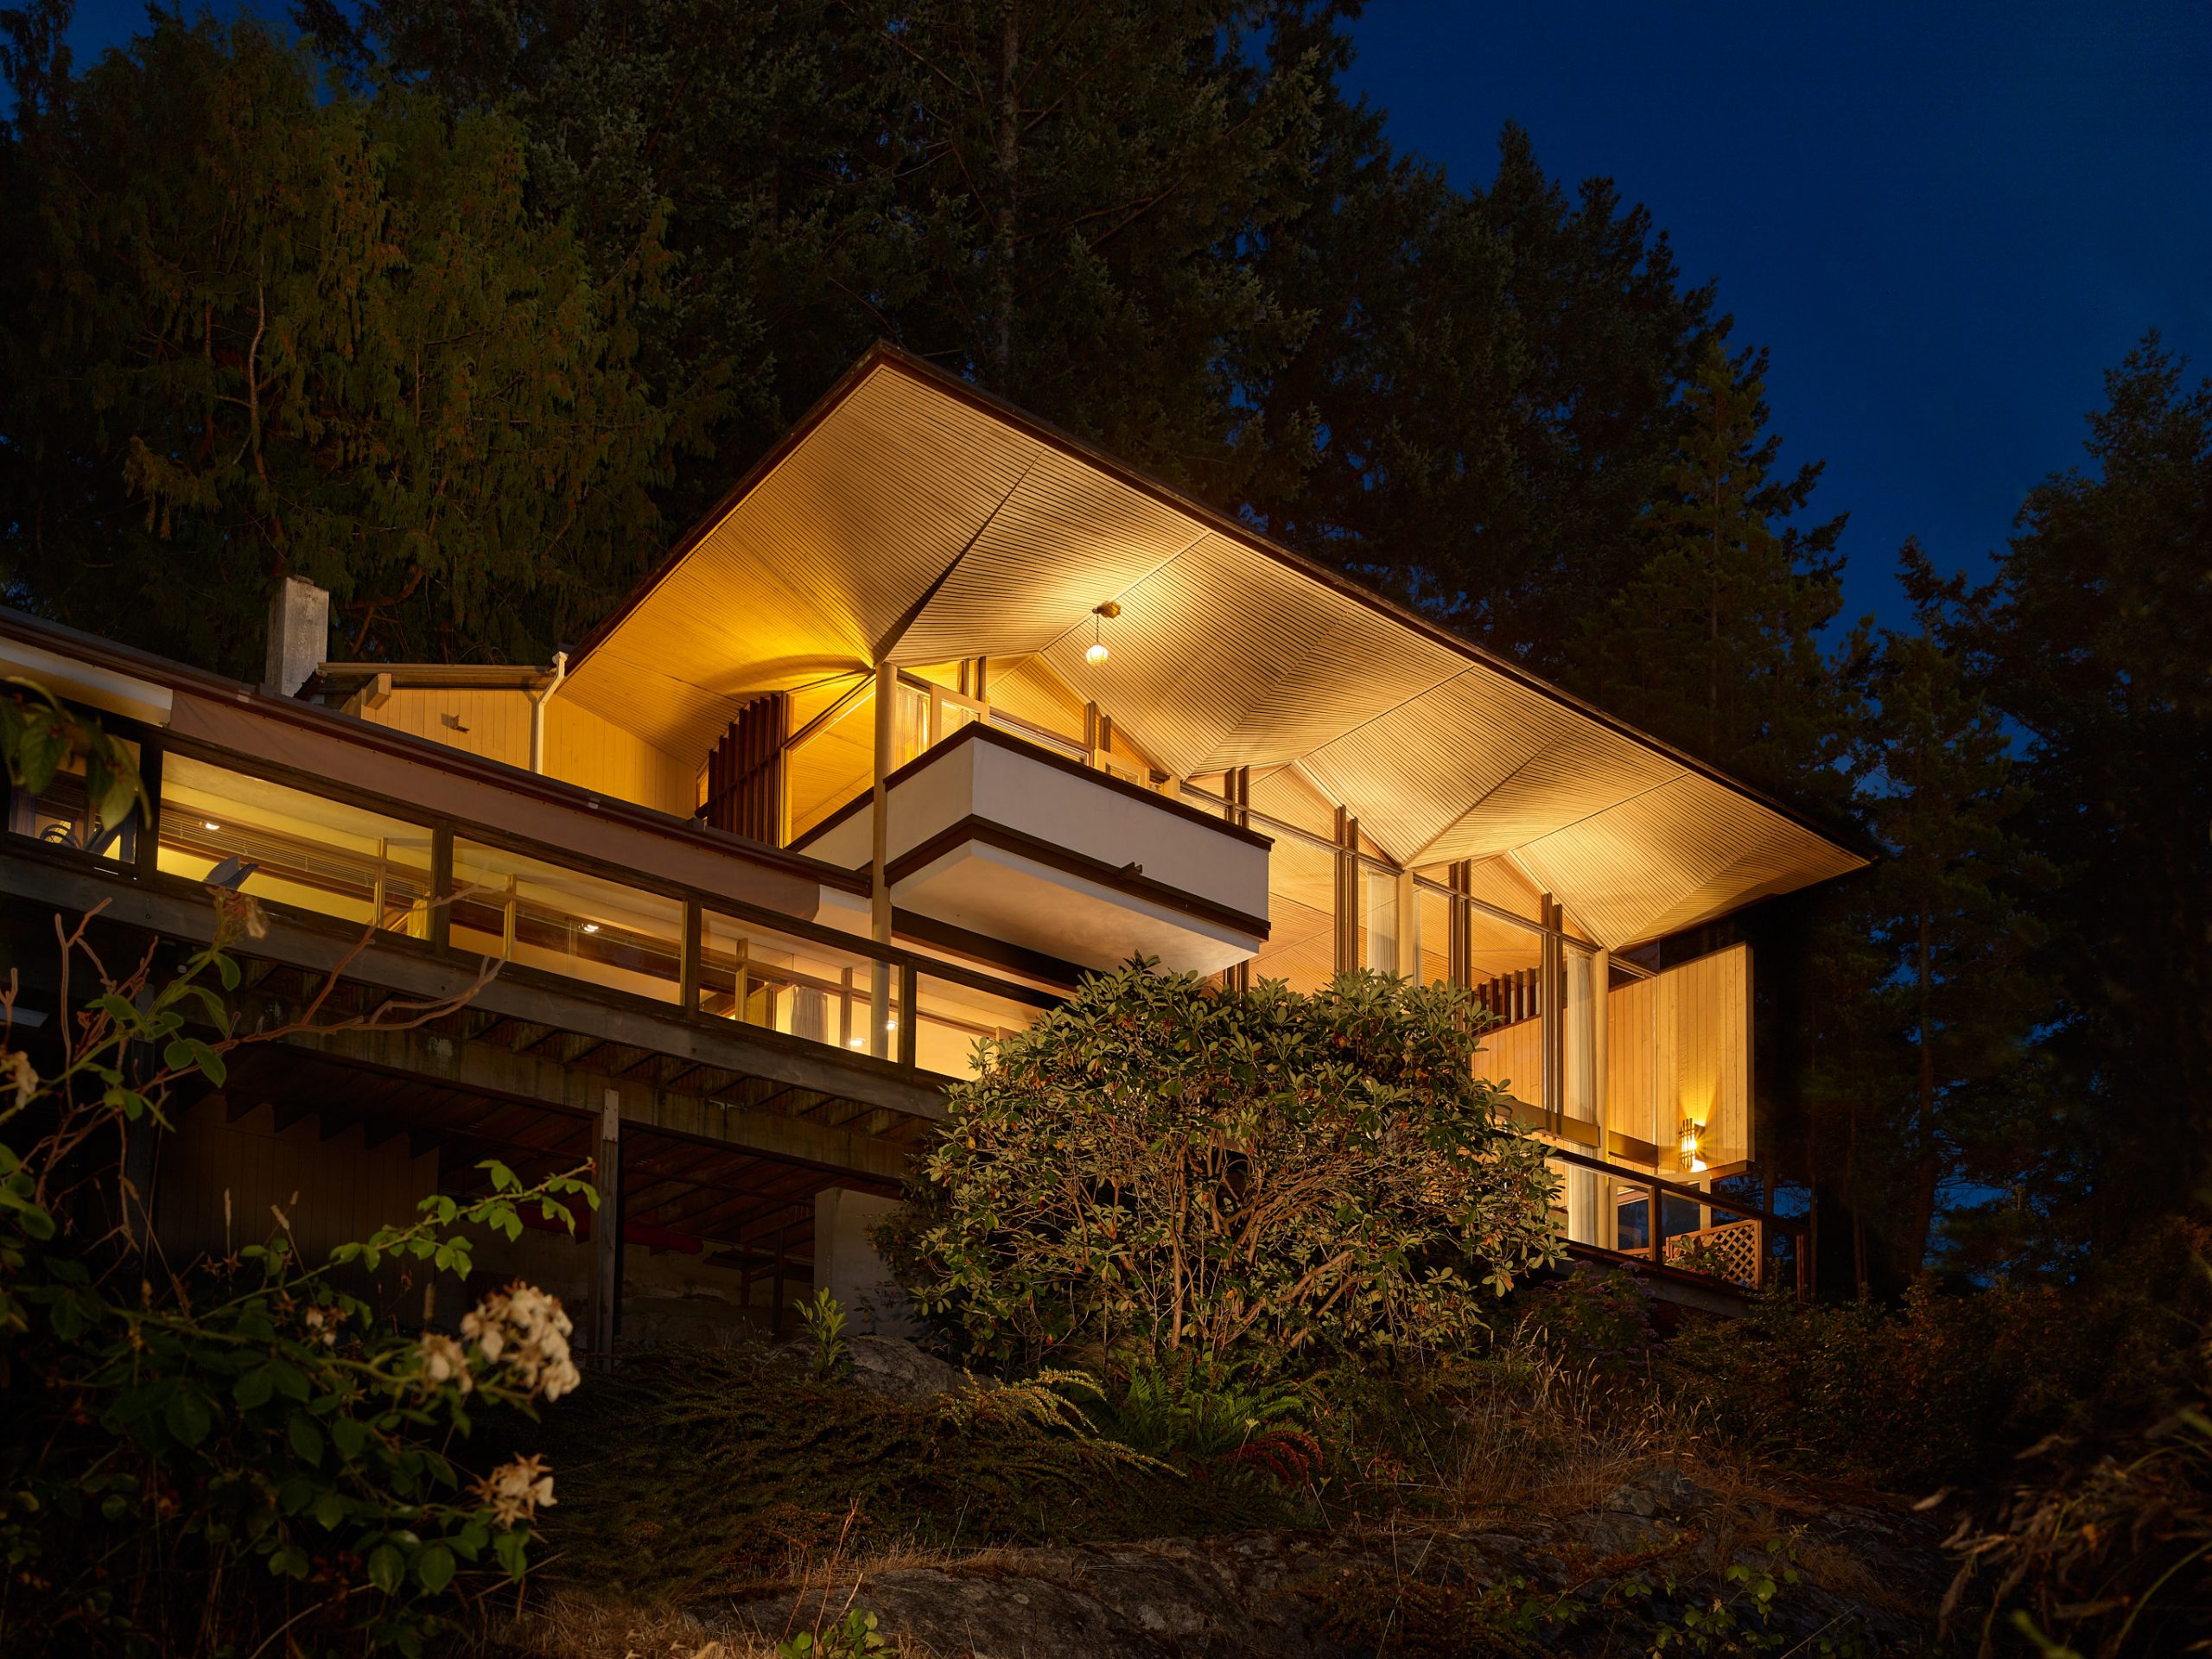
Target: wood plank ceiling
point(910, 518)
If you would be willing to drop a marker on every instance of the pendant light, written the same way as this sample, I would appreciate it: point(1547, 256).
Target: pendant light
point(1097, 652)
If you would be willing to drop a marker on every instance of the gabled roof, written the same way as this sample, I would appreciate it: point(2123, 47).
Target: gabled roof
point(912, 518)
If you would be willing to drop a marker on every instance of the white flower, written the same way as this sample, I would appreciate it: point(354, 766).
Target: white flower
point(516, 1491)
point(524, 1329)
point(444, 1361)
point(17, 1073)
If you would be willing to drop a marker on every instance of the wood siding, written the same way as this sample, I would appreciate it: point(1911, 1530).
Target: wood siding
point(580, 747)
point(1514, 1056)
point(1679, 1045)
point(333, 1191)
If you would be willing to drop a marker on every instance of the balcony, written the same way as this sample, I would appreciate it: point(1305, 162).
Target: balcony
point(1001, 837)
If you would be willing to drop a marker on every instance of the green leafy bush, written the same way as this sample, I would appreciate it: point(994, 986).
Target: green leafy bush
point(224, 1456)
point(1262, 1176)
point(1950, 1384)
point(246, 1423)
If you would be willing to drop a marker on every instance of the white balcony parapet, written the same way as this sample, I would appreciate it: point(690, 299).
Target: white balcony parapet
point(999, 838)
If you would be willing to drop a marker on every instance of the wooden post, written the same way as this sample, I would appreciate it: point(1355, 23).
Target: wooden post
point(1609, 1210)
point(909, 1014)
point(607, 1227)
point(441, 916)
point(887, 704)
point(1655, 1231)
point(776, 1290)
point(687, 966)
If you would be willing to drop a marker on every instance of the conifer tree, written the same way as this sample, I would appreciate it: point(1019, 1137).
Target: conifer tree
point(250, 331)
point(1940, 1073)
point(1715, 642)
point(2094, 639)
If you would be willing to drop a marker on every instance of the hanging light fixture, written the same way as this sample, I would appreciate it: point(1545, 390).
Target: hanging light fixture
point(1098, 653)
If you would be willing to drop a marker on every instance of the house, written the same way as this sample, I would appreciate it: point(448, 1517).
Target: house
point(938, 709)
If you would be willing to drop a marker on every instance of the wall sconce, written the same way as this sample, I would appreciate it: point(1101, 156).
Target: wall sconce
point(1693, 1146)
point(1097, 652)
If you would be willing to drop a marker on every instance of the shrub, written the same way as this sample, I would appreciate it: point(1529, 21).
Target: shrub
point(1950, 1384)
point(1250, 1176)
point(245, 1426)
point(229, 1456)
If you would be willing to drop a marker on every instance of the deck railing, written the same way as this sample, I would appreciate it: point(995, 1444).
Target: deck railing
point(1738, 1251)
point(325, 848)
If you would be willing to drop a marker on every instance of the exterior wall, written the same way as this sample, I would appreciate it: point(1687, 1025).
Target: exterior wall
point(1514, 1056)
point(1678, 1047)
point(332, 1190)
point(846, 1265)
point(580, 747)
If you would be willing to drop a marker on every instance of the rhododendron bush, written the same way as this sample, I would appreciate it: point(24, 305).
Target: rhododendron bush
point(1262, 1176)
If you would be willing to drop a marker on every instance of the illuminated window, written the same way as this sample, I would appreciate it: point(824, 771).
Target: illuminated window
point(292, 848)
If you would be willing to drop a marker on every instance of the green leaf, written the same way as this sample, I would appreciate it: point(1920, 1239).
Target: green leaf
point(290, 1562)
point(252, 1390)
point(188, 1417)
point(386, 1568)
point(306, 1437)
point(349, 1436)
point(435, 1566)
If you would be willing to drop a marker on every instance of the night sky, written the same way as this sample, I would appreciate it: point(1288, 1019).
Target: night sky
point(1945, 219)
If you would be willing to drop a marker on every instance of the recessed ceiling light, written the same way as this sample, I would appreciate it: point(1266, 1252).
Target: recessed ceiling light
point(209, 824)
point(591, 927)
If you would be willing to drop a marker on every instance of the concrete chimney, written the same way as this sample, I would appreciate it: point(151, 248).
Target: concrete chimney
point(299, 633)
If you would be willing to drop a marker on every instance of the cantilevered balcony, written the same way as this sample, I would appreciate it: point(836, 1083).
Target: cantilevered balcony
point(1002, 838)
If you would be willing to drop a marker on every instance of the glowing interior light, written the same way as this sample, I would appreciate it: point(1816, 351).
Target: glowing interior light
point(1096, 654)
point(591, 927)
point(209, 824)
point(855, 1042)
point(891, 1025)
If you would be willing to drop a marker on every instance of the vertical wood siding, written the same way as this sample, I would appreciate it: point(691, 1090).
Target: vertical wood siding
point(333, 1191)
point(580, 747)
point(1679, 1045)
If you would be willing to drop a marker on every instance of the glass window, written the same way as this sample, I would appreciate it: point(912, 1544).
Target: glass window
point(953, 1017)
point(1581, 1095)
point(1503, 962)
point(1301, 947)
point(759, 976)
point(300, 849)
point(1378, 931)
point(835, 763)
point(1432, 935)
point(62, 814)
point(541, 915)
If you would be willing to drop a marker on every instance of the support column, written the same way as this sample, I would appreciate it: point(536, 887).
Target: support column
point(847, 1265)
point(1609, 1204)
point(887, 712)
point(1409, 929)
point(607, 1228)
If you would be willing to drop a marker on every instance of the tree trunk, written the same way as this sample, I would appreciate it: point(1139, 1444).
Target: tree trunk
point(1009, 161)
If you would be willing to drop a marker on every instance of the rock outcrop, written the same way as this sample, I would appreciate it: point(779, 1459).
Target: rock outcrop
point(1873, 1575)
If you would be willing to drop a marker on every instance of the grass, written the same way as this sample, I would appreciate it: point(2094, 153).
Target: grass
point(695, 1476)
point(700, 1472)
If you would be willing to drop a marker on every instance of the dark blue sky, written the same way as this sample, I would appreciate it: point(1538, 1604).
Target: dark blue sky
point(1946, 220)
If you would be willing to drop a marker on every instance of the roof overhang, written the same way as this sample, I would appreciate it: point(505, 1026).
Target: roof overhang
point(910, 518)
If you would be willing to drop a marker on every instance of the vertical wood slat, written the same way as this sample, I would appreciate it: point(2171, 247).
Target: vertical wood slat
point(745, 770)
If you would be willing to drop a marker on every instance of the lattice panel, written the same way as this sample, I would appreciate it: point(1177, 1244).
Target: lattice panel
point(1733, 1250)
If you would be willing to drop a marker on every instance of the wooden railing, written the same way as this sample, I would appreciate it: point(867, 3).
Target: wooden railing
point(1739, 1252)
